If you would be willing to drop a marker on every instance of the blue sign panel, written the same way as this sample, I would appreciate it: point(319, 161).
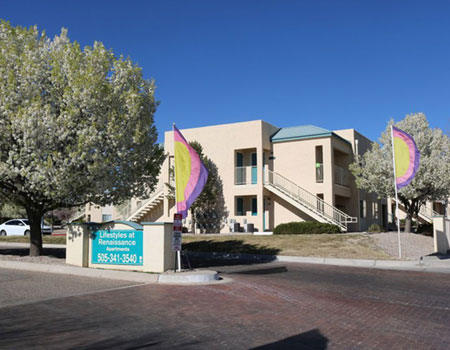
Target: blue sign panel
point(117, 247)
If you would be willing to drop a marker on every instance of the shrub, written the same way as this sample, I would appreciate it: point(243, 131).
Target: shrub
point(375, 228)
point(425, 228)
point(305, 227)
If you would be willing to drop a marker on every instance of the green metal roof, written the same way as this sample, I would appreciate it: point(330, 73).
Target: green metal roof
point(300, 132)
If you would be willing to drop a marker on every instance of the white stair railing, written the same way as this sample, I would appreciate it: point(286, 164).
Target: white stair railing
point(126, 213)
point(314, 203)
point(427, 212)
point(78, 213)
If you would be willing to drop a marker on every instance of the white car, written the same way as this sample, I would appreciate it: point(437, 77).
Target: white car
point(21, 227)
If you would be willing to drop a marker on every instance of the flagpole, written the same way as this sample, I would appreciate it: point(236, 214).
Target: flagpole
point(396, 195)
point(178, 256)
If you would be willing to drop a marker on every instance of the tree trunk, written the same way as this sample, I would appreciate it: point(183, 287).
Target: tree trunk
point(36, 234)
point(408, 224)
point(192, 220)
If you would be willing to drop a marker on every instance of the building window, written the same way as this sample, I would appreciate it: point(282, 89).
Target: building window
point(319, 164)
point(106, 217)
point(362, 209)
point(254, 169)
point(239, 206)
point(254, 207)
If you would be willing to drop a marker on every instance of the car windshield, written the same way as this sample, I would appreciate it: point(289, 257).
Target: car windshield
point(27, 222)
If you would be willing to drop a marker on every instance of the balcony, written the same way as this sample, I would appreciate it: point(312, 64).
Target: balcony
point(246, 175)
point(341, 176)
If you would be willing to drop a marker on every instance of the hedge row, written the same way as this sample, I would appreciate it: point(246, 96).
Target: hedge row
point(306, 227)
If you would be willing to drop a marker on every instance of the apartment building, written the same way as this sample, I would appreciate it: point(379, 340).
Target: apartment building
point(270, 175)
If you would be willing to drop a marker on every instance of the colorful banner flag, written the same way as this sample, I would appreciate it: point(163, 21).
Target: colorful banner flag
point(190, 173)
point(406, 157)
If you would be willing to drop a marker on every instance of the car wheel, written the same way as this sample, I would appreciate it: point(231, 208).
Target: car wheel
point(2, 233)
point(27, 233)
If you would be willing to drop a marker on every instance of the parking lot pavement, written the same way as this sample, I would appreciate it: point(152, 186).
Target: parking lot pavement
point(266, 306)
point(19, 287)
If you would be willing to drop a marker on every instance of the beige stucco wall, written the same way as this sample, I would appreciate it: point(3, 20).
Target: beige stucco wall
point(361, 144)
point(294, 160)
point(220, 143)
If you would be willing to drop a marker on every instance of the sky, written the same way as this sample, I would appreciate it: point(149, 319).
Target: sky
point(334, 64)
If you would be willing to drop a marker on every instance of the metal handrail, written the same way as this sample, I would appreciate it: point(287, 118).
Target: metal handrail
point(127, 212)
point(80, 211)
point(341, 176)
point(307, 198)
point(240, 176)
point(124, 212)
point(428, 212)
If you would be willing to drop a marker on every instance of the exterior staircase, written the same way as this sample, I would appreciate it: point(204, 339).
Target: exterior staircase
point(310, 204)
point(79, 213)
point(425, 214)
point(144, 208)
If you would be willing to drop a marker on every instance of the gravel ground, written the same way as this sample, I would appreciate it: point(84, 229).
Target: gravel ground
point(52, 256)
point(413, 245)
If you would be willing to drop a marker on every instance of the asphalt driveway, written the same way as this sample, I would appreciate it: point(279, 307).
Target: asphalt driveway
point(266, 306)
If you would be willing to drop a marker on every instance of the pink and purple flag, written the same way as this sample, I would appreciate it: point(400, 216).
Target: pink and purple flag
point(406, 157)
point(190, 173)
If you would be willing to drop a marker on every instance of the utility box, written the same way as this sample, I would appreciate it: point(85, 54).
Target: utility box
point(121, 245)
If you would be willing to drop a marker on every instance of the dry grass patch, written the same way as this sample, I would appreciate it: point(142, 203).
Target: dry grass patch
point(323, 245)
point(46, 239)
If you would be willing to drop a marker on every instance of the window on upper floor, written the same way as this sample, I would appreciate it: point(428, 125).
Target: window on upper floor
point(319, 164)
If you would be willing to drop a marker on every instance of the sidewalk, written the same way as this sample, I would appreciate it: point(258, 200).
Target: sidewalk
point(57, 265)
point(436, 264)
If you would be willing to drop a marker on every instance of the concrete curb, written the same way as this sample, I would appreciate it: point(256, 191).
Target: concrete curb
point(190, 277)
point(205, 276)
point(441, 266)
point(412, 265)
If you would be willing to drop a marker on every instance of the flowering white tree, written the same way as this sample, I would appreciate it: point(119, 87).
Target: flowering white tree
point(76, 125)
point(374, 170)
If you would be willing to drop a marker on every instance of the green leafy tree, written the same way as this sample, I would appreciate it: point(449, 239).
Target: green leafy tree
point(76, 124)
point(209, 211)
point(374, 170)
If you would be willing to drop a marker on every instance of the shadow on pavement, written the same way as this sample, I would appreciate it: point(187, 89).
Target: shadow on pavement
point(312, 340)
point(59, 253)
point(233, 246)
point(440, 256)
point(263, 271)
point(209, 253)
point(205, 260)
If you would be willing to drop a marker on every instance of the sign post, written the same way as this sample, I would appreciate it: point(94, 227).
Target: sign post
point(176, 238)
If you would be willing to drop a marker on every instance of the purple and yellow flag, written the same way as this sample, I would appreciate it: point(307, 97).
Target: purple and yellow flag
point(190, 173)
point(406, 157)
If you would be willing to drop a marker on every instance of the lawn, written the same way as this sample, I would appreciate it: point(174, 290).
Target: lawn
point(320, 245)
